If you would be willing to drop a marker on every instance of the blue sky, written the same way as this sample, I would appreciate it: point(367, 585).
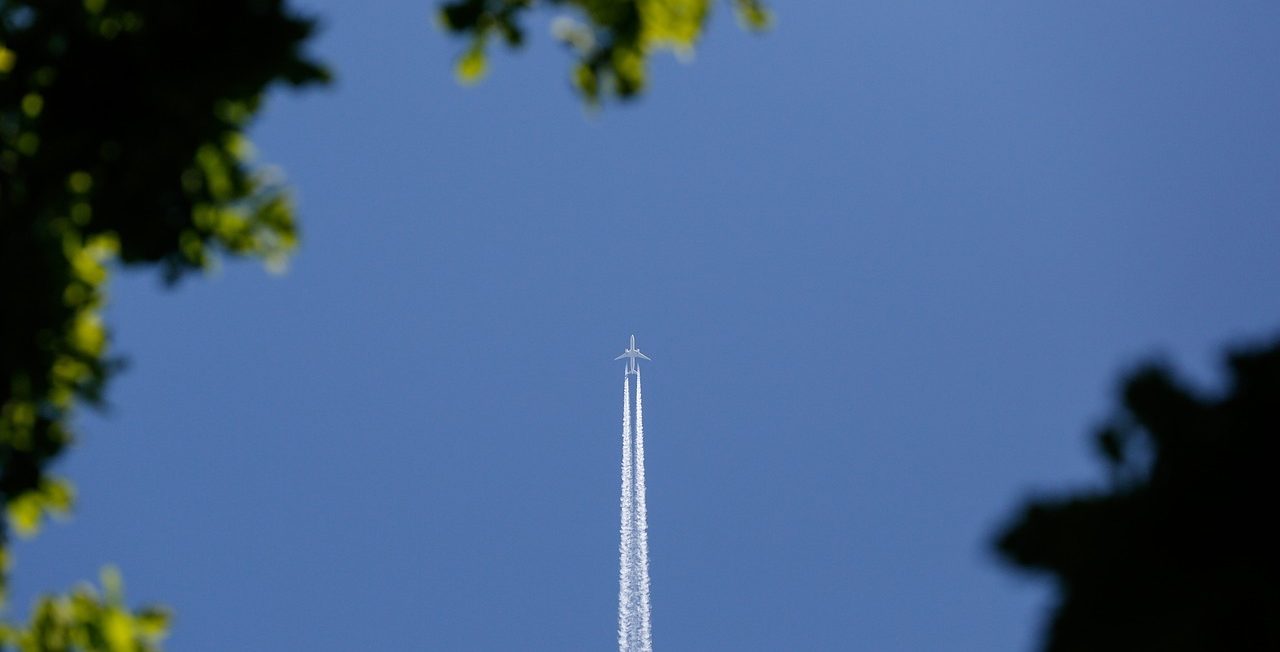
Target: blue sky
point(889, 262)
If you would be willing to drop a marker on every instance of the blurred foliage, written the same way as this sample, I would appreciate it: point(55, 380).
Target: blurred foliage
point(612, 39)
point(121, 141)
point(1181, 552)
point(85, 621)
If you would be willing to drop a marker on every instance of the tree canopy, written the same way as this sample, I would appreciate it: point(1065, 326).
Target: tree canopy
point(121, 140)
point(1181, 552)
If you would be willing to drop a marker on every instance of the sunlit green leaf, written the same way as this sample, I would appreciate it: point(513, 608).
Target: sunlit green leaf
point(472, 65)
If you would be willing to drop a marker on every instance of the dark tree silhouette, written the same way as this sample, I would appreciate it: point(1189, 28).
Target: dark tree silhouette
point(1182, 551)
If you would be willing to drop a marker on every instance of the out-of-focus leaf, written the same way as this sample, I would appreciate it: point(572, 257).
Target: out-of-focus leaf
point(472, 64)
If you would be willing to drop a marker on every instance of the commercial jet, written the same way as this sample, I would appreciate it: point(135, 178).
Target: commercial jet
point(631, 354)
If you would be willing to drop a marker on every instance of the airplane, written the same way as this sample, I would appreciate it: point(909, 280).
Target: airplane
point(631, 354)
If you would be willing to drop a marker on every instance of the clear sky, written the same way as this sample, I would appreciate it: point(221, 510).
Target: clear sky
point(889, 260)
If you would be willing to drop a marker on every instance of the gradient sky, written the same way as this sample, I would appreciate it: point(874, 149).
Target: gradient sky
point(889, 260)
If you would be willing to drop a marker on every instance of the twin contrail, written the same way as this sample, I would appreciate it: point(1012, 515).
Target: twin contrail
point(635, 632)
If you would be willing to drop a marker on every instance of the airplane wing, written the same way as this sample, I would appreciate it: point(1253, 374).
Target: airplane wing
point(623, 356)
point(643, 356)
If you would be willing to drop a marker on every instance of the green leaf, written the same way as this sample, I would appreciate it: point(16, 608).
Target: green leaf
point(472, 65)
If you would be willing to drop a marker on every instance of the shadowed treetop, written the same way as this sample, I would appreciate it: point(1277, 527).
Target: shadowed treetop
point(1182, 552)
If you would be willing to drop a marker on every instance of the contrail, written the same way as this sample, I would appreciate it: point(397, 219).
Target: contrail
point(642, 530)
point(626, 544)
point(634, 630)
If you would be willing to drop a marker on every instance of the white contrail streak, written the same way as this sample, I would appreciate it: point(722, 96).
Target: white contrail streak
point(634, 630)
point(642, 530)
point(626, 544)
